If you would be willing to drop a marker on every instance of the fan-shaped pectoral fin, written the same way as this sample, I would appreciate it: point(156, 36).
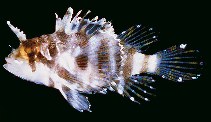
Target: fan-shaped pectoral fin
point(77, 100)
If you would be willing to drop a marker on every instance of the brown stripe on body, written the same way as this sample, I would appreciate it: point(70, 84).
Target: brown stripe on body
point(82, 42)
point(62, 36)
point(127, 68)
point(64, 74)
point(117, 57)
point(103, 59)
point(82, 61)
point(118, 60)
point(145, 64)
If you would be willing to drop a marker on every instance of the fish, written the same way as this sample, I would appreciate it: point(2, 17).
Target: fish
point(86, 56)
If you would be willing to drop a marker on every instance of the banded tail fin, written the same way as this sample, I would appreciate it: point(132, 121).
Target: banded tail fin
point(178, 64)
point(135, 41)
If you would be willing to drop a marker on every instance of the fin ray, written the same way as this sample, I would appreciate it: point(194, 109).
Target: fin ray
point(139, 37)
point(136, 85)
point(178, 64)
point(75, 99)
point(78, 101)
point(21, 36)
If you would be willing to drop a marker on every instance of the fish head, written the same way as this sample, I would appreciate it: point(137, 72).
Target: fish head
point(22, 61)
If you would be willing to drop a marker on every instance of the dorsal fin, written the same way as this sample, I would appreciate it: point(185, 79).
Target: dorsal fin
point(82, 25)
point(21, 36)
point(138, 37)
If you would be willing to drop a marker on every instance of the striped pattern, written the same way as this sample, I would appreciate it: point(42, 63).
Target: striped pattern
point(93, 62)
point(88, 56)
point(82, 61)
point(136, 63)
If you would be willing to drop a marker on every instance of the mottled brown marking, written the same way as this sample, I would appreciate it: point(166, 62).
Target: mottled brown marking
point(29, 50)
point(52, 47)
point(21, 53)
point(82, 61)
point(82, 39)
point(41, 58)
point(49, 44)
point(62, 36)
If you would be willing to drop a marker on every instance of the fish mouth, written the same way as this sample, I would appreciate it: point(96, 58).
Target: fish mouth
point(13, 66)
point(5, 66)
point(8, 61)
point(11, 62)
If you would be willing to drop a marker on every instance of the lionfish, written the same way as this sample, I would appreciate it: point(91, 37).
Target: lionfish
point(86, 56)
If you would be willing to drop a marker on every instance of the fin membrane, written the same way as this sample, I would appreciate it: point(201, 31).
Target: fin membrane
point(178, 64)
point(70, 24)
point(77, 100)
point(138, 37)
point(139, 86)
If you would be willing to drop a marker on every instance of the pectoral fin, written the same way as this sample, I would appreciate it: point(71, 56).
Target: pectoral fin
point(78, 101)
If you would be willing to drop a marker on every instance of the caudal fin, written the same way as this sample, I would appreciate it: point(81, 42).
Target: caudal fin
point(178, 63)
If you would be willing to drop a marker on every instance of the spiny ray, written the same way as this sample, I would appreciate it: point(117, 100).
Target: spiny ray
point(21, 36)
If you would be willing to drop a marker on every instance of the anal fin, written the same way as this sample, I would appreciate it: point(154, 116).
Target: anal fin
point(140, 87)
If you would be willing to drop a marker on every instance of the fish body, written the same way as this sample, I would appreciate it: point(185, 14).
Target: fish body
point(86, 56)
